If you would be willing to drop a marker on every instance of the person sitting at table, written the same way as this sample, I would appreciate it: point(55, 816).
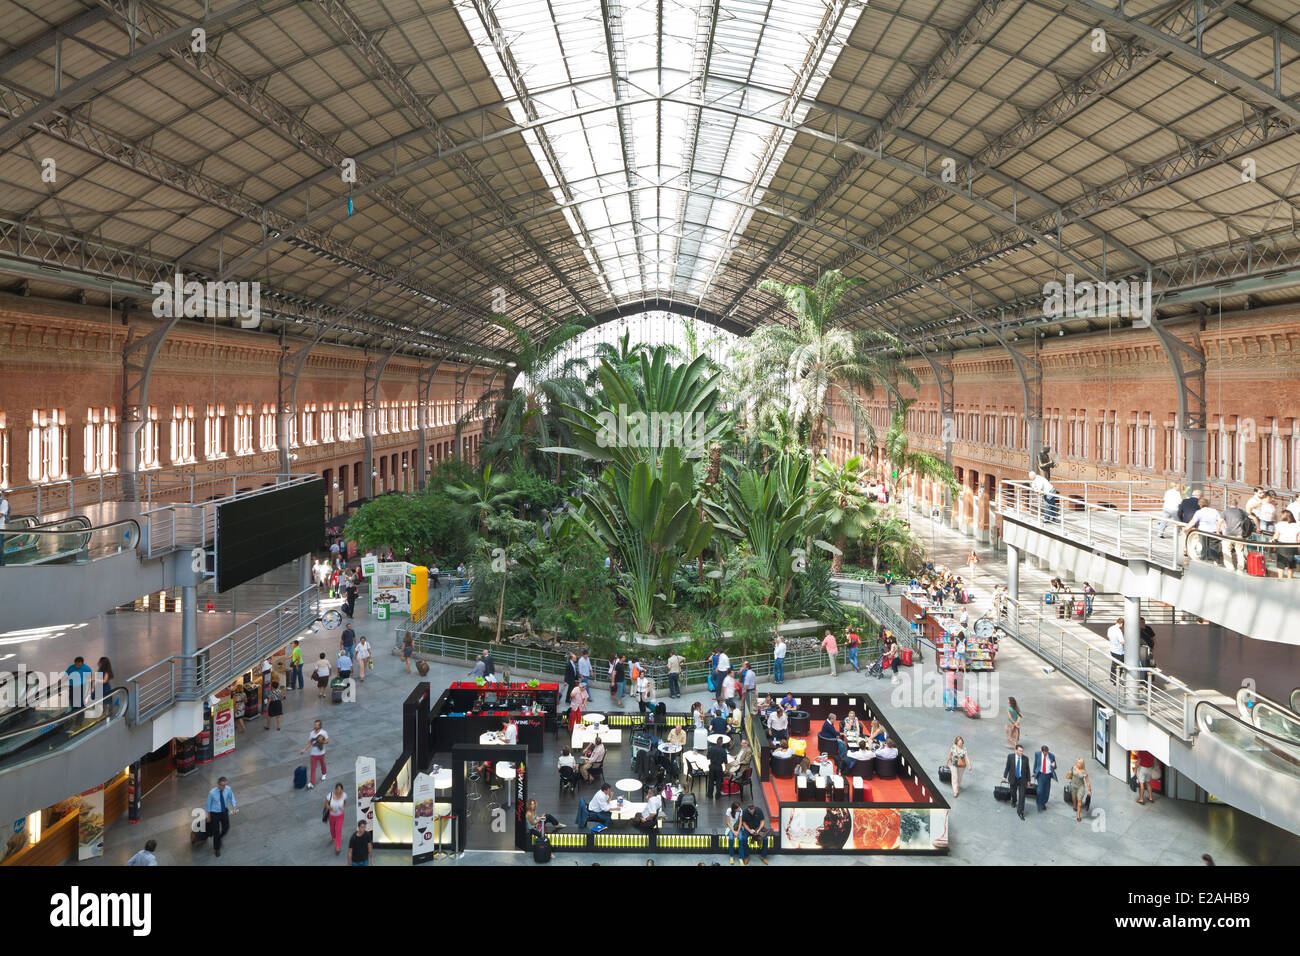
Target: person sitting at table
point(510, 731)
point(598, 807)
point(734, 721)
point(567, 764)
point(805, 770)
point(539, 821)
point(851, 727)
point(648, 819)
point(877, 732)
point(718, 725)
point(888, 751)
point(743, 760)
point(778, 725)
point(593, 756)
point(787, 701)
point(677, 736)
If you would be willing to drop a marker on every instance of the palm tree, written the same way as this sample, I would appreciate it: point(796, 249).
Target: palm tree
point(903, 460)
point(848, 511)
point(539, 380)
point(806, 366)
point(486, 496)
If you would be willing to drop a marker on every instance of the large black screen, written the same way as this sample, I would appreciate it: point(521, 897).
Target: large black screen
point(261, 532)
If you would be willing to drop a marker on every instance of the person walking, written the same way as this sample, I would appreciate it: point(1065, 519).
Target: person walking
point(316, 742)
point(1080, 784)
point(620, 680)
point(359, 846)
point(295, 667)
point(721, 664)
point(408, 649)
point(1013, 723)
point(570, 673)
point(4, 521)
point(577, 704)
point(348, 640)
point(322, 674)
point(854, 642)
point(778, 660)
point(344, 663)
point(717, 764)
point(363, 657)
point(584, 668)
point(274, 704)
point(335, 804)
point(1115, 636)
point(613, 684)
point(958, 761)
point(831, 648)
point(1016, 774)
point(1044, 774)
point(221, 804)
point(675, 662)
point(972, 560)
point(1145, 771)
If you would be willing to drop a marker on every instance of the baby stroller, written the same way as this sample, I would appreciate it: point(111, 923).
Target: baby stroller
point(687, 814)
point(877, 669)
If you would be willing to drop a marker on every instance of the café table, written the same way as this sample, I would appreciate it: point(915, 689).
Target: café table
point(667, 748)
point(582, 736)
point(442, 779)
point(593, 718)
point(625, 810)
point(720, 739)
point(629, 784)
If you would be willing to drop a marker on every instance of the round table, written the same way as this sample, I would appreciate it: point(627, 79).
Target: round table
point(593, 718)
point(442, 779)
point(720, 739)
point(798, 723)
point(783, 763)
point(667, 748)
point(629, 784)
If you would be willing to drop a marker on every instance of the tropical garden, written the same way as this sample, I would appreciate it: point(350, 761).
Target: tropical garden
point(650, 489)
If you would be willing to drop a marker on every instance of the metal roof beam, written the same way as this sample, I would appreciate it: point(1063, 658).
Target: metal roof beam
point(67, 30)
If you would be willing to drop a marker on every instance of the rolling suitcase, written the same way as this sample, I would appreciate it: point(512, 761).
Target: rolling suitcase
point(299, 777)
point(1002, 792)
point(971, 708)
point(422, 667)
point(1079, 607)
point(945, 775)
point(907, 657)
point(1255, 564)
point(542, 850)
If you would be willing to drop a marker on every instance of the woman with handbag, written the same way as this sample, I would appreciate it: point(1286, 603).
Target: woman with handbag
point(274, 704)
point(363, 661)
point(958, 760)
point(1080, 784)
point(1013, 723)
point(332, 814)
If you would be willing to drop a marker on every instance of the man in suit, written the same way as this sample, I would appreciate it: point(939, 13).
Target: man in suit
point(570, 673)
point(1044, 773)
point(1016, 773)
point(717, 763)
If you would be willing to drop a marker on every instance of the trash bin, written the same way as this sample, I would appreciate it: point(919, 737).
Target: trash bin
point(381, 612)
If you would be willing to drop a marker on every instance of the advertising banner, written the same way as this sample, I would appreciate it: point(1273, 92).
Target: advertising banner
point(223, 727)
point(90, 824)
point(366, 784)
point(368, 565)
point(422, 834)
point(389, 586)
point(863, 829)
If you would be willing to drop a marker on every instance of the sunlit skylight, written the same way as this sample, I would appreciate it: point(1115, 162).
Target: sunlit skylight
point(634, 164)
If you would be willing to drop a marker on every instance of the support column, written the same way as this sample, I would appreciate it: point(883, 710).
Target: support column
point(1132, 643)
point(1013, 573)
point(304, 572)
point(189, 634)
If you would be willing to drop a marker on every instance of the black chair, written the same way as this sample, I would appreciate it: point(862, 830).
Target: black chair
point(746, 779)
point(886, 768)
point(597, 772)
point(568, 780)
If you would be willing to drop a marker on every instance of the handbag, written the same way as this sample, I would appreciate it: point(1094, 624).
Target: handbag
point(961, 761)
point(325, 813)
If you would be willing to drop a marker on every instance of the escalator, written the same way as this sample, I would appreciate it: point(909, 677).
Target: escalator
point(61, 539)
point(1248, 767)
point(1268, 715)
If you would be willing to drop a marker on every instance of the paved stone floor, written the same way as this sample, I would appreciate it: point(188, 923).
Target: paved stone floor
point(280, 826)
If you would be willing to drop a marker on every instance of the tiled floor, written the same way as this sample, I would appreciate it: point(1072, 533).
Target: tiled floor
point(281, 826)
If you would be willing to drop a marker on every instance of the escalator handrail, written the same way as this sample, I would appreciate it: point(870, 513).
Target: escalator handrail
point(98, 703)
point(1285, 749)
point(1284, 713)
point(87, 530)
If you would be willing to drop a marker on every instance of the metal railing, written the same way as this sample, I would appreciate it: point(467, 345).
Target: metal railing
point(177, 485)
point(1145, 690)
point(189, 677)
point(1275, 753)
point(450, 587)
point(190, 523)
point(67, 540)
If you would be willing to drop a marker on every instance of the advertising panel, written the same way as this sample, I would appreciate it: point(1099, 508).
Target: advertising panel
point(388, 587)
point(366, 784)
point(90, 824)
point(223, 727)
point(863, 828)
point(422, 836)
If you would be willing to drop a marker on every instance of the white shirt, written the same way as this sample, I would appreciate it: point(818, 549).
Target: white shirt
point(1294, 508)
point(599, 803)
point(724, 663)
point(1115, 634)
point(1172, 500)
point(652, 807)
point(566, 760)
point(728, 687)
point(779, 653)
point(143, 858)
point(512, 733)
point(4, 512)
point(1288, 532)
point(1206, 519)
point(317, 751)
point(363, 650)
point(322, 668)
point(1041, 485)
